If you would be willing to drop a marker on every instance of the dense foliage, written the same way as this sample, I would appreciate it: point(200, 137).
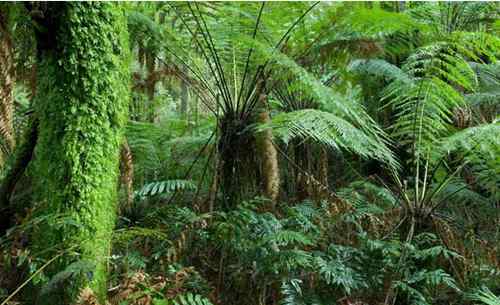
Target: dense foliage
point(274, 153)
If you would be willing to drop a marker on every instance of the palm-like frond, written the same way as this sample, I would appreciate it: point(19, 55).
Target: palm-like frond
point(439, 73)
point(343, 104)
point(447, 17)
point(481, 146)
point(380, 68)
point(330, 130)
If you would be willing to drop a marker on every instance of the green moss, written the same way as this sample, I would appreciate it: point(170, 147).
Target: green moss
point(82, 103)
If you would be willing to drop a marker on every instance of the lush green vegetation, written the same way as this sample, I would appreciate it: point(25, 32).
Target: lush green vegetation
point(225, 153)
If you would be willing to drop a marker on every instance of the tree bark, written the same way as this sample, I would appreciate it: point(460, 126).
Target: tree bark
point(322, 173)
point(269, 157)
point(127, 171)
point(304, 188)
point(24, 154)
point(81, 104)
point(6, 84)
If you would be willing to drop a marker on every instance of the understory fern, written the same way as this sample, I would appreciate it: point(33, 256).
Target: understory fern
point(168, 186)
point(184, 299)
point(485, 296)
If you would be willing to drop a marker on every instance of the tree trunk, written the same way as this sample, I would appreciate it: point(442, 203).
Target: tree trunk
point(322, 173)
point(269, 157)
point(24, 154)
point(6, 85)
point(81, 103)
point(304, 189)
point(127, 172)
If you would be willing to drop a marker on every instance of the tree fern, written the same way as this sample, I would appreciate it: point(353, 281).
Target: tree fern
point(424, 106)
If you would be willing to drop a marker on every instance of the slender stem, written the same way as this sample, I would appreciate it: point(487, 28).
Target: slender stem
point(249, 55)
point(215, 57)
point(202, 49)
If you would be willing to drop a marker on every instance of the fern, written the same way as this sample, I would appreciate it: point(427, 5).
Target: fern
point(434, 278)
point(336, 272)
point(481, 147)
point(380, 68)
point(168, 186)
point(292, 292)
point(288, 237)
point(331, 130)
point(78, 268)
point(191, 299)
point(485, 296)
point(424, 106)
point(423, 109)
point(415, 296)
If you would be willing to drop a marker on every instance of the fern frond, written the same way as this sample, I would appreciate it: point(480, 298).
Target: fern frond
point(457, 190)
point(289, 237)
point(481, 145)
point(167, 186)
point(80, 267)
point(380, 68)
point(292, 292)
point(337, 273)
point(191, 299)
point(331, 130)
point(485, 296)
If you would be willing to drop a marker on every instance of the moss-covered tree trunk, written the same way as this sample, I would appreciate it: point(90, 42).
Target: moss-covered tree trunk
point(81, 103)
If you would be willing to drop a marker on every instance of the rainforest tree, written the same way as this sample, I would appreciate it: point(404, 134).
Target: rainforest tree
point(81, 106)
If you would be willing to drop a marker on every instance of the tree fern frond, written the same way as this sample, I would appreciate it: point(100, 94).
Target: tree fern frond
point(331, 130)
point(457, 190)
point(481, 146)
point(488, 98)
point(380, 68)
point(423, 110)
point(467, 139)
